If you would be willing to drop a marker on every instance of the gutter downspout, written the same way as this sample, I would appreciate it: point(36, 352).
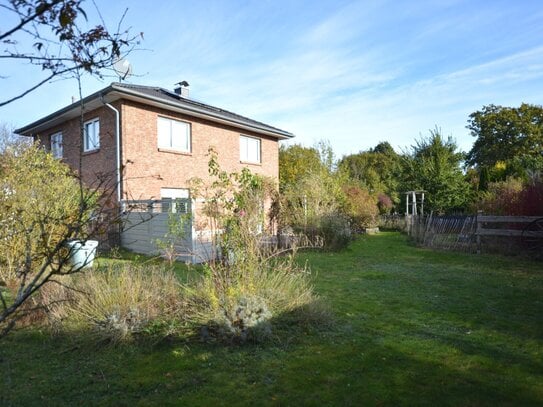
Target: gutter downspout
point(118, 150)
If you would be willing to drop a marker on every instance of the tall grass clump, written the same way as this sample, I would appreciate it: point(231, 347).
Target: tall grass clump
point(117, 303)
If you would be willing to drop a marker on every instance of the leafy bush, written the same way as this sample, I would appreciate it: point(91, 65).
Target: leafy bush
point(335, 229)
point(312, 207)
point(41, 202)
point(43, 205)
point(243, 318)
point(361, 207)
point(384, 203)
point(531, 198)
point(513, 197)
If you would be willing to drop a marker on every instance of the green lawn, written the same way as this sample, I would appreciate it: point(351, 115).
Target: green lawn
point(412, 327)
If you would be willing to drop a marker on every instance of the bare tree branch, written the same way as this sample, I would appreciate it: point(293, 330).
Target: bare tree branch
point(59, 46)
point(45, 7)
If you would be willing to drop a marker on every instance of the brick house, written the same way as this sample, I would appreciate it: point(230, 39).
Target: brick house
point(154, 140)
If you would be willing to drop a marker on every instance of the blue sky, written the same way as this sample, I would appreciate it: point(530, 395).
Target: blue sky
point(353, 73)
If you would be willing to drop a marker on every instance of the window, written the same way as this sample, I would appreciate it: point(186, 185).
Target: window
point(56, 145)
point(173, 134)
point(249, 149)
point(91, 138)
point(174, 200)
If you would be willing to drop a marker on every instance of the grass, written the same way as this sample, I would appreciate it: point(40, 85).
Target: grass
point(412, 327)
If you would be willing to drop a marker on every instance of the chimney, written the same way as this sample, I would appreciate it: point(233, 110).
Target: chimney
point(182, 89)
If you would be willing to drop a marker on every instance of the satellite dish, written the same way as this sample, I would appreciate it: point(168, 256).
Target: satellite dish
point(123, 68)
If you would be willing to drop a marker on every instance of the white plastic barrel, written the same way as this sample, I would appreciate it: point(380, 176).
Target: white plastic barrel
point(82, 253)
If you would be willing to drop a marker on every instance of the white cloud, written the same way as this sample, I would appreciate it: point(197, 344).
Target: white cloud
point(400, 114)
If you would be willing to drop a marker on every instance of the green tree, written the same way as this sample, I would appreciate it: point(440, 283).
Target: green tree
point(42, 206)
point(434, 165)
point(297, 162)
point(311, 197)
point(378, 169)
point(511, 135)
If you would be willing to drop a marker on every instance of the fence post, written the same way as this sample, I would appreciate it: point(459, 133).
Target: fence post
point(428, 226)
point(478, 230)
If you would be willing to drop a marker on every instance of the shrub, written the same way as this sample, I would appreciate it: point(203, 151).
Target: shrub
point(43, 205)
point(361, 207)
point(512, 197)
point(335, 229)
point(32, 217)
point(384, 203)
point(502, 197)
point(237, 297)
point(531, 198)
point(238, 303)
point(312, 207)
point(243, 318)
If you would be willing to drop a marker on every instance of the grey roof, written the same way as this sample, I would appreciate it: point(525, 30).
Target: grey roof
point(166, 99)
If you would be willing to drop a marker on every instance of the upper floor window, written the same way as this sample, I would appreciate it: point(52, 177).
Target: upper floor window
point(249, 149)
point(173, 134)
point(91, 137)
point(56, 145)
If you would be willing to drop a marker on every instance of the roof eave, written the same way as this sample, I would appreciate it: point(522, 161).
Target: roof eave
point(216, 117)
point(30, 129)
point(68, 111)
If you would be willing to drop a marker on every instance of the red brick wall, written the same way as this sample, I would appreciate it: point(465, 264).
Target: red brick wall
point(96, 165)
point(147, 169)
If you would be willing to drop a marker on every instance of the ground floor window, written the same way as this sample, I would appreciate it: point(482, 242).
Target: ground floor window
point(174, 200)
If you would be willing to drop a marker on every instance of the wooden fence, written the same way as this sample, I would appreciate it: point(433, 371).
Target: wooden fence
point(478, 233)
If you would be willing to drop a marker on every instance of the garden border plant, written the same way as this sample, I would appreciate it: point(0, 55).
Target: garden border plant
point(246, 285)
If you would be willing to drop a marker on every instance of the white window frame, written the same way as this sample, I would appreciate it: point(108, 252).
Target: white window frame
point(170, 197)
point(91, 142)
point(250, 149)
point(56, 145)
point(173, 134)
